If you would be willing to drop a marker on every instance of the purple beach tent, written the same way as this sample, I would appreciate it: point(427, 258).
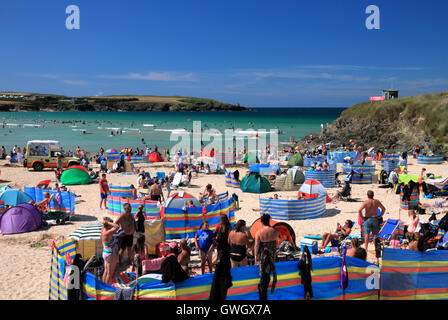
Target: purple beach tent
point(21, 218)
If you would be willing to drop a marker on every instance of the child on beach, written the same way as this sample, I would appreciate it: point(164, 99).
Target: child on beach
point(204, 243)
point(140, 216)
point(395, 242)
point(104, 191)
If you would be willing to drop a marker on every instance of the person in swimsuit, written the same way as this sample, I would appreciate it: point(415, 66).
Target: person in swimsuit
point(239, 242)
point(370, 219)
point(266, 238)
point(341, 233)
point(110, 249)
point(126, 221)
point(42, 206)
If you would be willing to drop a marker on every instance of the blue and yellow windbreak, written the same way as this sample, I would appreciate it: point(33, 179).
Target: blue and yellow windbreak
point(294, 209)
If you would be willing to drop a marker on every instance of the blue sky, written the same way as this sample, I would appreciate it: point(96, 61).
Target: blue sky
point(302, 53)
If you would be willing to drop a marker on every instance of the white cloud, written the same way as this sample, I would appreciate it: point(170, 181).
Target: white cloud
point(154, 76)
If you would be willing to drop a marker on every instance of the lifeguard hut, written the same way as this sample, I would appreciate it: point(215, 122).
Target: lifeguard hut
point(390, 94)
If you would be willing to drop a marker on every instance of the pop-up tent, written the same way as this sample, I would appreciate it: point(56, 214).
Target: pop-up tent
point(298, 176)
point(13, 197)
point(154, 157)
point(21, 218)
point(254, 183)
point(75, 176)
point(312, 187)
point(296, 160)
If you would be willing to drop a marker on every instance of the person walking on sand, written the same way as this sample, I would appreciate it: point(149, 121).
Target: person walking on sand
point(126, 221)
point(104, 191)
point(370, 219)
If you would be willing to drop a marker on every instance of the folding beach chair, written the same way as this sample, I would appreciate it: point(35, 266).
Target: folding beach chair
point(160, 175)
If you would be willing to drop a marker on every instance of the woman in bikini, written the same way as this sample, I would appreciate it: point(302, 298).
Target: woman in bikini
point(110, 249)
point(239, 242)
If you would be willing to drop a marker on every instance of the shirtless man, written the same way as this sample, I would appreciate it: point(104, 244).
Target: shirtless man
point(370, 219)
point(156, 192)
point(266, 237)
point(184, 256)
point(126, 221)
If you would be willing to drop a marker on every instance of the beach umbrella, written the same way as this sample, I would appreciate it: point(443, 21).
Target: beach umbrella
point(13, 197)
point(88, 232)
point(312, 186)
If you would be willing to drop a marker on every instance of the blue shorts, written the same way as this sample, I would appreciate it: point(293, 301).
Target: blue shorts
point(371, 226)
point(103, 195)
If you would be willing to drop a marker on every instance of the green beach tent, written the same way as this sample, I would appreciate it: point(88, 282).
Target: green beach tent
point(75, 176)
point(296, 160)
point(254, 183)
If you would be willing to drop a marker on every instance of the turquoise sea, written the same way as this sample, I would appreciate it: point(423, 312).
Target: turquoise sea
point(16, 128)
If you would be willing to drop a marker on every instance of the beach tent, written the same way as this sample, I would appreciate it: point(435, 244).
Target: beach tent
point(285, 232)
point(298, 175)
point(6, 187)
point(13, 197)
point(75, 176)
point(285, 183)
point(21, 218)
point(254, 183)
point(296, 160)
point(312, 187)
point(251, 158)
point(179, 199)
point(154, 157)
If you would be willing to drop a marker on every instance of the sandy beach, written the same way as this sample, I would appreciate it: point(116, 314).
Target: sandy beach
point(25, 258)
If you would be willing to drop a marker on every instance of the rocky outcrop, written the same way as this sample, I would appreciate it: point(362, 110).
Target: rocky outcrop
point(391, 131)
